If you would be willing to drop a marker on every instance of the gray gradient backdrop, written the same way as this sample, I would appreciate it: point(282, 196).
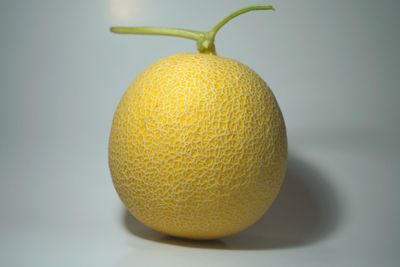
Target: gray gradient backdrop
point(334, 67)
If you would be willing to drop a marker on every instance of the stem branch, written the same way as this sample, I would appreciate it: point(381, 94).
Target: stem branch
point(238, 12)
point(205, 40)
point(188, 34)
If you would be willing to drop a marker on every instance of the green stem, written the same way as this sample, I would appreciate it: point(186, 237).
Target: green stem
point(205, 40)
point(238, 12)
point(188, 34)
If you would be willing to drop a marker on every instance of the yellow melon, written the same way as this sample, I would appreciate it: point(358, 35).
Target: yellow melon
point(198, 146)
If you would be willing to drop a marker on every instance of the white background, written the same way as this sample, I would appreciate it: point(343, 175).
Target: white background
point(334, 67)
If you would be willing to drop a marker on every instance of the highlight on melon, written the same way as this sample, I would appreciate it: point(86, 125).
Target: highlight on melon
point(198, 145)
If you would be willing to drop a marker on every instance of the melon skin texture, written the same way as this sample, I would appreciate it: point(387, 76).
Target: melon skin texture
point(198, 146)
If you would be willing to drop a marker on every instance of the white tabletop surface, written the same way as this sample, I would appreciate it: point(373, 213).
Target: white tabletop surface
point(334, 67)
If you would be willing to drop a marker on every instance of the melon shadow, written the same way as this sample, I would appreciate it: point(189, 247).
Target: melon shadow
point(306, 211)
